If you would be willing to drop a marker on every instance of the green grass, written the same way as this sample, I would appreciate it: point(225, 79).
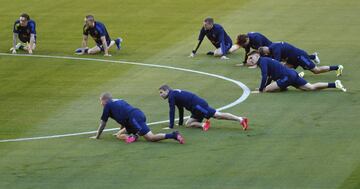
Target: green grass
point(297, 139)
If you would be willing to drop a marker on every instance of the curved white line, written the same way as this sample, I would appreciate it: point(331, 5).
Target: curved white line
point(245, 94)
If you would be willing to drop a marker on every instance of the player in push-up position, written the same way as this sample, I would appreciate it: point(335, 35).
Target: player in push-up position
point(273, 70)
point(294, 57)
point(251, 40)
point(132, 120)
point(217, 36)
point(98, 32)
point(198, 107)
point(25, 30)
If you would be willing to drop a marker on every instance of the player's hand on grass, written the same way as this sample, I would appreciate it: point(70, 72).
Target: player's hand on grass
point(30, 51)
point(13, 51)
point(224, 57)
point(191, 55)
point(107, 54)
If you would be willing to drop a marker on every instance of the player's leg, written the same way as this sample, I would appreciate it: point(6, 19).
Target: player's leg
point(138, 121)
point(228, 116)
point(120, 134)
point(160, 136)
point(273, 87)
point(322, 85)
point(218, 52)
point(94, 50)
point(112, 43)
point(316, 86)
point(193, 122)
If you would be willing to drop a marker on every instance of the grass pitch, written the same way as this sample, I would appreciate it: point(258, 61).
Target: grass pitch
point(297, 139)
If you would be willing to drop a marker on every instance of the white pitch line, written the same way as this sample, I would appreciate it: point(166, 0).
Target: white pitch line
point(246, 90)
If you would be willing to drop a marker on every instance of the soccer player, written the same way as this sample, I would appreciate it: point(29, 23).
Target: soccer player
point(251, 40)
point(273, 70)
point(131, 119)
point(25, 30)
point(198, 107)
point(295, 57)
point(98, 32)
point(218, 37)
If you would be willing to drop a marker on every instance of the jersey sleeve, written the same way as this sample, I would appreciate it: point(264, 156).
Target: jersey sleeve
point(85, 31)
point(106, 113)
point(171, 111)
point(15, 30)
point(221, 34)
point(32, 28)
point(201, 34)
point(181, 115)
point(264, 76)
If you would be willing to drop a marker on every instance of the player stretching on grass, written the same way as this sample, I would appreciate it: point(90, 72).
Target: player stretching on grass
point(198, 107)
point(251, 40)
point(295, 57)
point(218, 37)
point(98, 32)
point(273, 70)
point(25, 30)
point(132, 120)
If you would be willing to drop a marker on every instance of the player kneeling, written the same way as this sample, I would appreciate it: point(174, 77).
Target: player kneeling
point(98, 32)
point(273, 70)
point(25, 30)
point(132, 120)
point(198, 107)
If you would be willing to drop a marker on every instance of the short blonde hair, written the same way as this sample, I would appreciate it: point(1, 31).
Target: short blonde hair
point(105, 96)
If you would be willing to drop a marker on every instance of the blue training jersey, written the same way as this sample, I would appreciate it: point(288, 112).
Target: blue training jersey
point(96, 32)
point(282, 51)
point(218, 37)
point(117, 109)
point(257, 40)
point(181, 99)
point(25, 32)
point(272, 70)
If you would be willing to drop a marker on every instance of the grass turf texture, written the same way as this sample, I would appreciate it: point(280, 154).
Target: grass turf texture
point(297, 139)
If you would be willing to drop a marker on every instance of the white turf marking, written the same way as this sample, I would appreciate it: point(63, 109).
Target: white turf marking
point(245, 94)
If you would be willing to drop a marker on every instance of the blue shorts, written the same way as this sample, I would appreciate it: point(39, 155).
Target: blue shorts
point(100, 45)
point(305, 62)
point(201, 111)
point(137, 123)
point(292, 79)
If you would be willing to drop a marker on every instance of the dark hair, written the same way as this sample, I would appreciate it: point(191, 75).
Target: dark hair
point(252, 52)
point(209, 20)
point(165, 87)
point(90, 17)
point(261, 51)
point(241, 39)
point(25, 16)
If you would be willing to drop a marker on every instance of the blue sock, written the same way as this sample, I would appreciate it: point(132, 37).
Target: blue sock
point(331, 85)
point(334, 67)
point(312, 57)
point(169, 135)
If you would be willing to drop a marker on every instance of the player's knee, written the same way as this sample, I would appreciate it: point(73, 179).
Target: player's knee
point(316, 70)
